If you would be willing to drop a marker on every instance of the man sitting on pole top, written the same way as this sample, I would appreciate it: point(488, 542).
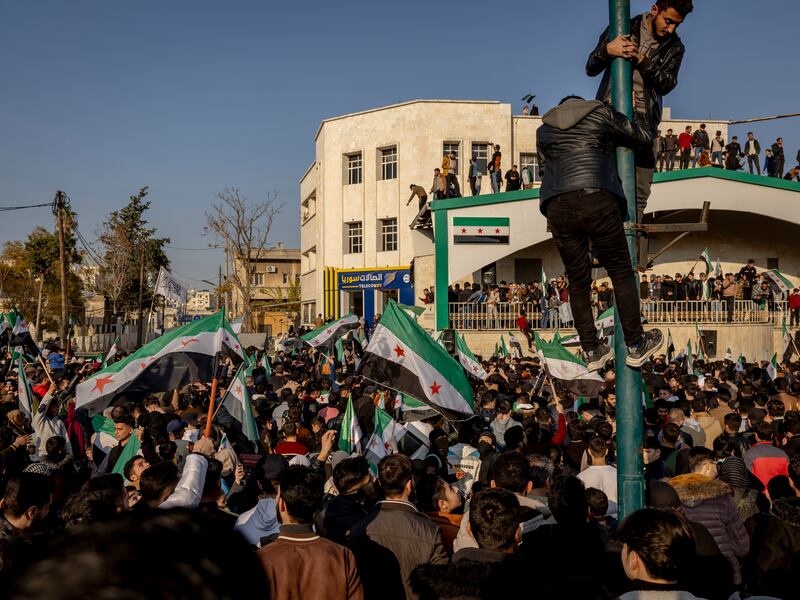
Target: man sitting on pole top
point(583, 200)
point(656, 52)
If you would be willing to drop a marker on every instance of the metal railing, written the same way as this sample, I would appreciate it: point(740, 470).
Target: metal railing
point(503, 316)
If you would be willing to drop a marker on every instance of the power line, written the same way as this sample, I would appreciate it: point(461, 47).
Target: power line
point(7, 208)
point(190, 249)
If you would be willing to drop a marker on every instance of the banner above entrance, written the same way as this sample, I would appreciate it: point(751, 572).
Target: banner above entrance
point(375, 279)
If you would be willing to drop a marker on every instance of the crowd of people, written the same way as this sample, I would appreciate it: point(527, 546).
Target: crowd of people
point(461, 509)
point(692, 149)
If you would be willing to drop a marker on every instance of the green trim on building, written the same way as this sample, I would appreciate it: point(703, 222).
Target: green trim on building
point(465, 202)
point(441, 237)
point(738, 176)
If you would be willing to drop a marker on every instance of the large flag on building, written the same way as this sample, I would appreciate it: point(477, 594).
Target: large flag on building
point(350, 433)
point(561, 364)
point(24, 391)
point(706, 258)
point(468, 360)
point(403, 357)
point(384, 439)
point(324, 339)
point(237, 403)
point(778, 282)
point(481, 230)
point(171, 288)
point(170, 361)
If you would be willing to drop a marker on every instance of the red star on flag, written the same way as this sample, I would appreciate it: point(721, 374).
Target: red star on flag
point(435, 388)
point(101, 382)
point(143, 365)
point(236, 346)
point(497, 230)
point(239, 390)
point(329, 331)
point(399, 351)
point(463, 230)
point(480, 230)
point(474, 368)
point(185, 343)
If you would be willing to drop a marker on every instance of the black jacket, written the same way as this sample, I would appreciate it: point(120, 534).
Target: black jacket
point(747, 146)
point(577, 145)
point(700, 139)
point(659, 72)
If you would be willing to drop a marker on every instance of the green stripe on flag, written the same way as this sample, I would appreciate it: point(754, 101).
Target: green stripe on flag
point(476, 221)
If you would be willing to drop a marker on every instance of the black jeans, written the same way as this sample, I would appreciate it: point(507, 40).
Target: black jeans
point(794, 319)
point(686, 155)
point(576, 218)
point(751, 160)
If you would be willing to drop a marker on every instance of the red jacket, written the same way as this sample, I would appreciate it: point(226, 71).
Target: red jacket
point(685, 140)
point(522, 323)
point(794, 300)
point(766, 461)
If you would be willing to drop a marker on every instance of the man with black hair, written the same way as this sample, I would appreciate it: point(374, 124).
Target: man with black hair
point(300, 563)
point(396, 538)
point(340, 512)
point(161, 487)
point(124, 425)
point(599, 474)
point(134, 468)
point(656, 52)
point(509, 472)
point(25, 505)
point(503, 422)
point(583, 200)
point(657, 548)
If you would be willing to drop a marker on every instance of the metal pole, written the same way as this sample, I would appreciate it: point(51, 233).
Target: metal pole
point(630, 469)
point(62, 259)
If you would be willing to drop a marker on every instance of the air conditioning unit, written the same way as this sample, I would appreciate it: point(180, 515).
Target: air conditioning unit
point(272, 269)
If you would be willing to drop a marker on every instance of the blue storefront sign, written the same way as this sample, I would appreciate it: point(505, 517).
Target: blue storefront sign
point(366, 283)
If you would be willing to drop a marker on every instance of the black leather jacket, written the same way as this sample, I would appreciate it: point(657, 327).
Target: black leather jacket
point(659, 72)
point(577, 145)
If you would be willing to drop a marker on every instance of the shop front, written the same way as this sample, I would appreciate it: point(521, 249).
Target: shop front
point(365, 292)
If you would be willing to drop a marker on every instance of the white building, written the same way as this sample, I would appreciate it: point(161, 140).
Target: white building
point(356, 244)
point(199, 301)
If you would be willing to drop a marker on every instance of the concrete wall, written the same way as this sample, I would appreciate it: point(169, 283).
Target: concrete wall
point(754, 342)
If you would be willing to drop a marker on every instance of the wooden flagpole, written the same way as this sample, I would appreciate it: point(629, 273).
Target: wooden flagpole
point(46, 369)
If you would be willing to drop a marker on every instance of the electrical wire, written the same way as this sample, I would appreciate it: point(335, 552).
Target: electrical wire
point(7, 208)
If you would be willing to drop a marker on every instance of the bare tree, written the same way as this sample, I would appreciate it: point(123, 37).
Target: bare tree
point(244, 229)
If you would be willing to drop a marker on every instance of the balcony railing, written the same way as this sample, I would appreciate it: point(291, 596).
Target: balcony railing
point(504, 315)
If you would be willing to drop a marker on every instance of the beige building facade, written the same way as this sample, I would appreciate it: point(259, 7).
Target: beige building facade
point(354, 197)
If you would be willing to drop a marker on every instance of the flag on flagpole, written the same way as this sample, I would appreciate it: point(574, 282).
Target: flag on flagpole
point(104, 440)
point(265, 364)
point(112, 352)
point(778, 281)
point(237, 403)
point(324, 338)
point(561, 364)
point(788, 346)
point(5, 329)
point(236, 325)
point(706, 258)
point(729, 355)
point(514, 343)
point(718, 269)
point(350, 433)
point(772, 367)
point(402, 356)
point(170, 361)
point(24, 391)
point(503, 348)
point(21, 336)
point(384, 439)
point(689, 359)
point(670, 347)
point(169, 287)
point(468, 360)
point(739, 364)
point(413, 311)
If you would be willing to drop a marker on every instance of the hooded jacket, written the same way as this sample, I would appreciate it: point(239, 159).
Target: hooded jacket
point(659, 71)
point(259, 522)
point(577, 145)
point(710, 503)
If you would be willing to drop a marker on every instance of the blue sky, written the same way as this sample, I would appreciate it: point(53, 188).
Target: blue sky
point(100, 98)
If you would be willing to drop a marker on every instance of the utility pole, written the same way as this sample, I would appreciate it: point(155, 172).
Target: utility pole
point(58, 208)
point(630, 468)
point(141, 302)
point(219, 289)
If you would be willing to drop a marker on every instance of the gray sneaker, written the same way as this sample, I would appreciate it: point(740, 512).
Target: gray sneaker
point(597, 358)
point(651, 342)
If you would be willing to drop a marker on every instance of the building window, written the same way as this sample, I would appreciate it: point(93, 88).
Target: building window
point(389, 163)
point(480, 153)
point(256, 279)
point(388, 235)
point(355, 238)
point(449, 147)
point(285, 278)
point(530, 162)
point(354, 168)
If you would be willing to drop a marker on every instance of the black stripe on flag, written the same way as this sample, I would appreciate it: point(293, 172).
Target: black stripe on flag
point(394, 376)
point(480, 239)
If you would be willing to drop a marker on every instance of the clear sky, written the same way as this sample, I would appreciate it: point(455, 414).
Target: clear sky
point(100, 98)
